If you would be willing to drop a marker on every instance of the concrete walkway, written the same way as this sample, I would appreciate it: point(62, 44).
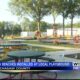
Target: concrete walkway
point(50, 46)
point(59, 56)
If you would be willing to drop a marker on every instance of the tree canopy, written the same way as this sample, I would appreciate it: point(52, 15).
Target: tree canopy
point(36, 9)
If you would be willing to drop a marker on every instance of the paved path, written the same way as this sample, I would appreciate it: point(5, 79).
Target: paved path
point(59, 56)
point(53, 47)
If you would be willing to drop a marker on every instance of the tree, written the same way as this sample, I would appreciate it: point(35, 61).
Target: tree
point(43, 27)
point(36, 9)
point(33, 26)
point(53, 9)
point(59, 7)
point(1, 28)
point(25, 24)
point(16, 29)
point(8, 28)
point(54, 13)
point(72, 11)
point(62, 7)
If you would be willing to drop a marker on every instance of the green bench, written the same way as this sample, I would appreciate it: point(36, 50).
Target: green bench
point(6, 59)
point(46, 58)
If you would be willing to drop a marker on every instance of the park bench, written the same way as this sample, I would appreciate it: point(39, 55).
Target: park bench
point(46, 58)
point(6, 59)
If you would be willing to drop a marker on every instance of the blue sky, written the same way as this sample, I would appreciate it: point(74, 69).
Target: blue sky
point(6, 15)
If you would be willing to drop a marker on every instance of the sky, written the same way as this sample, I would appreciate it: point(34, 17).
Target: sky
point(6, 15)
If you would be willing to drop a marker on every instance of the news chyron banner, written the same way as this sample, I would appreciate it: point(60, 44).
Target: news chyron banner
point(76, 66)
point(36, 65)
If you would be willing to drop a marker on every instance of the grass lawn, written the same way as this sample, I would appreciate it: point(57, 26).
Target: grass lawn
point(52, 44)
point(45, 49)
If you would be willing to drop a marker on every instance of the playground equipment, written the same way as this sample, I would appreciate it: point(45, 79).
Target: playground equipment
point(37, 34)
point(77, 39)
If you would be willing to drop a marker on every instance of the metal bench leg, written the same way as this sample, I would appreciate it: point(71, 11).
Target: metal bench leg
point(36, 60)
point(31, 75)
point(21, 75)
point(30, 60)
point(16, 60)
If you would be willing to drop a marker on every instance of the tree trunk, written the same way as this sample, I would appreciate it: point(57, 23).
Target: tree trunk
point(72, 27)
point(38, 33)
point(63, 25)
point(54, 27)
point(39, 25)
point(54, 20)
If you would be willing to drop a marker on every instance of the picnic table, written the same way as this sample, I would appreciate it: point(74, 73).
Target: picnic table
point(21, 54)
point(13, 73)
point(4, 76)
point(16, 41)
point(55, 41)
point(63, 41)
point(13, 45)
point(2, 53)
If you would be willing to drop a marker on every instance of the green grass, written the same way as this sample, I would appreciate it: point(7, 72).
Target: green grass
point(45, 49)
point(52, 44)
point(41, 48)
